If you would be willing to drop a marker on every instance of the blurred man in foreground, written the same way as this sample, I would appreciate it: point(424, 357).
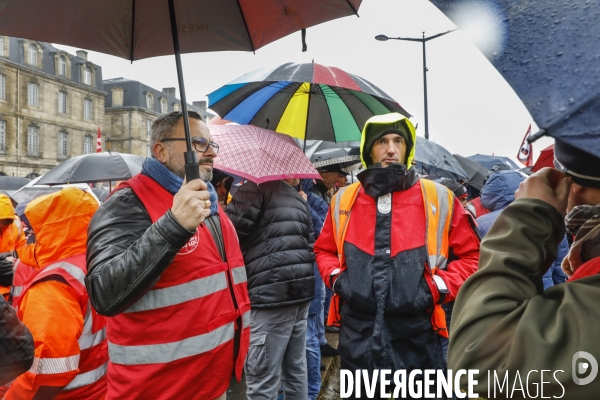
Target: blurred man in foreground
point(503, 320)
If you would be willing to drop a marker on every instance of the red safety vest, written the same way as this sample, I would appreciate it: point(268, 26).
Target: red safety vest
point(92, 361)
point(177, 340)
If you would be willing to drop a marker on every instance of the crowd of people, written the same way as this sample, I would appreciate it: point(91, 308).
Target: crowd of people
point(170, 288)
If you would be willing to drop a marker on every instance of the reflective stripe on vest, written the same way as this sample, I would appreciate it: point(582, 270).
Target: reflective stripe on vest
point(71, 269)
point(59, 365)
point(87, 338)
point(87, 378)
point(168, 352)
point(246, 319)
point(16, 291)
point(438, 217)
point(177, 294)
point(239, 275)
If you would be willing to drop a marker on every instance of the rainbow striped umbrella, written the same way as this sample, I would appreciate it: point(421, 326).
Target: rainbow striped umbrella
point(306, 101)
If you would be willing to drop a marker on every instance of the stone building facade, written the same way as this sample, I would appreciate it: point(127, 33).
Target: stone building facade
point(130, 109)
point(51, 105)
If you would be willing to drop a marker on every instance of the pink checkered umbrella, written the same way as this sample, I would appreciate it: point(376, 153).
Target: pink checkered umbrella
point(259, 155)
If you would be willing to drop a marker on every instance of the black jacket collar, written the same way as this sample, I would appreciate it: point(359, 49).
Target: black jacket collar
point(379, 181)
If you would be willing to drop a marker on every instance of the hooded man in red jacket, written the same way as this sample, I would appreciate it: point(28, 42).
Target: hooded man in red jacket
point(378, 255)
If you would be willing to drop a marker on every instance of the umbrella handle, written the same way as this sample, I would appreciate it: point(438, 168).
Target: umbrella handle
point(192, 170)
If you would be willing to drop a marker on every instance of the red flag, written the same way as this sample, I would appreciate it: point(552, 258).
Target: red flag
point(525, 155)
point(99, 142)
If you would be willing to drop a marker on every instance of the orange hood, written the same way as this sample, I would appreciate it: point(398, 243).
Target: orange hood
point(59, 221)
point(6, 208)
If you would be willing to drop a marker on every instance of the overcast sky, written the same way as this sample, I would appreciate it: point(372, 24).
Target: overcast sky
point(471, 107)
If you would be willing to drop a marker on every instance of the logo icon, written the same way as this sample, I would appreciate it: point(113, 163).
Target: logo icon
point(581, 367)
point(191, 244)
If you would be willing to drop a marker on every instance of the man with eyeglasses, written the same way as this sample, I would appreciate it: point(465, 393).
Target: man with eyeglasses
point(165, 265)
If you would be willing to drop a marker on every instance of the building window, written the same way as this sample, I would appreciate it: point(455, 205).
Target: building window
point(148, 127)
point(2, 136)
point(2, 87)
point(176, 107)
point(62, 102)
point(62, 66)
point(33, 141)
point(87, 109)
point(63, 142)
point(32, 94)
point(87, 144)
point(87, 76)
point(117, 97)
point(32, 55)
point(163, 106)
point(149, 101)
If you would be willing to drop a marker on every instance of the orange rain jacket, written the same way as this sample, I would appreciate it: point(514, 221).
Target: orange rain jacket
point(11, 236)
point(52, 308)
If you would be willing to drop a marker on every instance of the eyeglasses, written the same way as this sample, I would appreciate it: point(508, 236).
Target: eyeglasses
point(200, 144)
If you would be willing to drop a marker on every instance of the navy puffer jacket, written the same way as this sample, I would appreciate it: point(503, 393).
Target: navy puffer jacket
point(276, 236)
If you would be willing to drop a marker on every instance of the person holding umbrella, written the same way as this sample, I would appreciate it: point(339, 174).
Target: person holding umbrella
point(378, 251)
point(165, 266)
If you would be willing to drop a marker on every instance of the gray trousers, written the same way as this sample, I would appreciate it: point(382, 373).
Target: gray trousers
point(277, 347)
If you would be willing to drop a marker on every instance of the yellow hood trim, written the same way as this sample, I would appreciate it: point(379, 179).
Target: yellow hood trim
point(389, 119)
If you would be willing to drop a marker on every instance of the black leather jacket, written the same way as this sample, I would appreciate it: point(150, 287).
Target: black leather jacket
point(127, 253)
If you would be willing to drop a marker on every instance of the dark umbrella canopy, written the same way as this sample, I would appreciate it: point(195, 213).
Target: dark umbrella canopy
point(13, 182)
point(348, 158)
point(434, 160)
point(490, 161)
point(305, 101)
point(475, 171)
point(26, 194)
point(548, 52)
point(141, 29)
point(97, 167)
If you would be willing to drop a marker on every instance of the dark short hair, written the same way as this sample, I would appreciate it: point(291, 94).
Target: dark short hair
point(162, 128)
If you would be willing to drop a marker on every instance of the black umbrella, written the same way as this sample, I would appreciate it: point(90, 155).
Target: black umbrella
point(96, 167)
point(348, 158)
point(13, 182)
point(475, 171)
point(26, 194)
point(156, 28)
point(490, 161)
point(434, 160)
point(548, 52)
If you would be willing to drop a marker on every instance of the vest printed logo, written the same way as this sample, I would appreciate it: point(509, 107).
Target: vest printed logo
point(191, 244)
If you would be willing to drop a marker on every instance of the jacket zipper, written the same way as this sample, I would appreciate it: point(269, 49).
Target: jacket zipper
point(238, 332)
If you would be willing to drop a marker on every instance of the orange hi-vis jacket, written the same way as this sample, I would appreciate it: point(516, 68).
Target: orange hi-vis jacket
point(71, 351)
point(438, 212)
point(12, 236)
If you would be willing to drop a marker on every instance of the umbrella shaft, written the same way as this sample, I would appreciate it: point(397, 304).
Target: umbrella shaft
point(186, 121)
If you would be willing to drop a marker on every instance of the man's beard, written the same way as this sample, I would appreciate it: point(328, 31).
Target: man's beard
point(179, 169)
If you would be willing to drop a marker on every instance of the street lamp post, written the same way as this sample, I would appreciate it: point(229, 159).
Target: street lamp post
point(423, 40)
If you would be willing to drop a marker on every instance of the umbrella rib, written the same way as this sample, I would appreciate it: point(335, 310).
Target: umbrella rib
point(246, 26)
point(132, 29)
point(353, 8)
